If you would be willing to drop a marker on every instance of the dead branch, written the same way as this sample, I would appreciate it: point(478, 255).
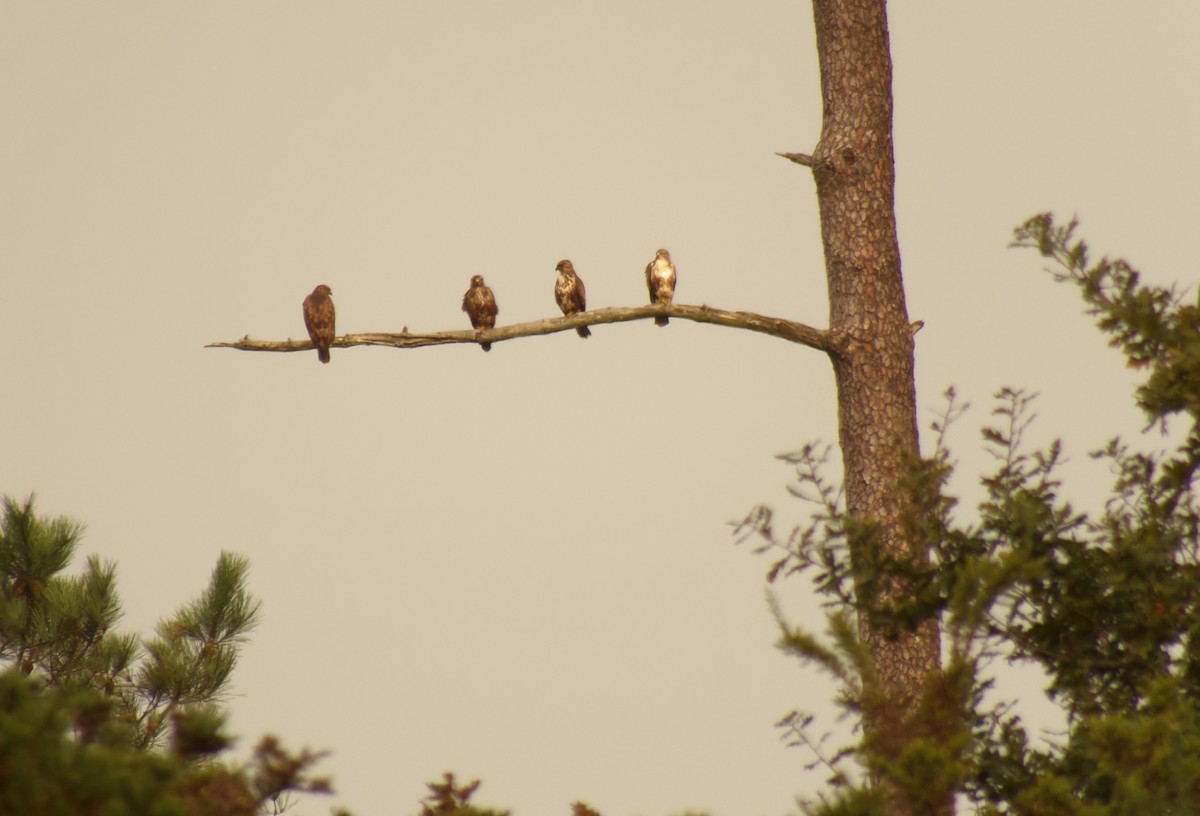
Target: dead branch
point(799, 158)
point(777, 327)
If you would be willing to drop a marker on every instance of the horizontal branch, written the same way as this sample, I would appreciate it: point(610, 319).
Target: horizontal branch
point(777, 327)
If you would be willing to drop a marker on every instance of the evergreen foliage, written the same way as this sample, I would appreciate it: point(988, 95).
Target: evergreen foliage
point(1104, 602)
point(93, 721)
point(60, 628)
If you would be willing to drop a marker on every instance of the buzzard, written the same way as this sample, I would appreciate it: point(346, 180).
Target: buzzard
point(570, 294)
point(660, 280)
point(318, 319)
point(480, 305)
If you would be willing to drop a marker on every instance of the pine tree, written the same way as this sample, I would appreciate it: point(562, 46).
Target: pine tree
point(1106, 602)
point(95, 721)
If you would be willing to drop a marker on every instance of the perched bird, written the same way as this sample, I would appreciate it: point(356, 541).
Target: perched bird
point(660, 280)
point(480, 305)
point(570, 294)
point(318, 319)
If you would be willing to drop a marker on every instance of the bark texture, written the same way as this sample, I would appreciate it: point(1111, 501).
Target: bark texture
point(872, 344)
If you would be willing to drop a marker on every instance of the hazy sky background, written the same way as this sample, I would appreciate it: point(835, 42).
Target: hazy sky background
point(517, 565)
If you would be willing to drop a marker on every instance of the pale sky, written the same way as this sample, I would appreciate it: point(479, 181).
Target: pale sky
point(517, 566)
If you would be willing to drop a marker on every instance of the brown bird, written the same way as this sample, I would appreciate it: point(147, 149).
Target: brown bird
point(570, 294)
point(319, 319)
point(480, 305)
point(660, 280)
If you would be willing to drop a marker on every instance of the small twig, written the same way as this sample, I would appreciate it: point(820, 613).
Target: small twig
point(777, 327)
point(799, 158)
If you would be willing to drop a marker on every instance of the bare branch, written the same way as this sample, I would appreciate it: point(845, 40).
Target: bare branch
point(799, 158)
point(775, 326)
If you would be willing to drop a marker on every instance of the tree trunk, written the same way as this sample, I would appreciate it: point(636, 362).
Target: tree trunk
point(872, 342)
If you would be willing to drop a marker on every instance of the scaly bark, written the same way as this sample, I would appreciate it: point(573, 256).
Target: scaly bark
point(872, 354)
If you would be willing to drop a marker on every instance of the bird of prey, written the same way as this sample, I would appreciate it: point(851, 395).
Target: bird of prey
point(660, 280)
point(480, 305)
point(318, 319)
point(570, 294)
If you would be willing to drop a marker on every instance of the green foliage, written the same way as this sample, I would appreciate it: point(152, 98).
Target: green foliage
point(42, 770)
point(1105, 603)
point(87, 713)
point(1152, 326)
point(48, 767)
point(61, 628)
point(192, 658)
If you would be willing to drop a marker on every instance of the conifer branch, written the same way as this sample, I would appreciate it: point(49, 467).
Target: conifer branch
point(778, 327)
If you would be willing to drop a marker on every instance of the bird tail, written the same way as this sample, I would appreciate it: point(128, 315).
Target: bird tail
point(323, 355)
point(486, 346)
point(661, 320)
point(584, 332)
